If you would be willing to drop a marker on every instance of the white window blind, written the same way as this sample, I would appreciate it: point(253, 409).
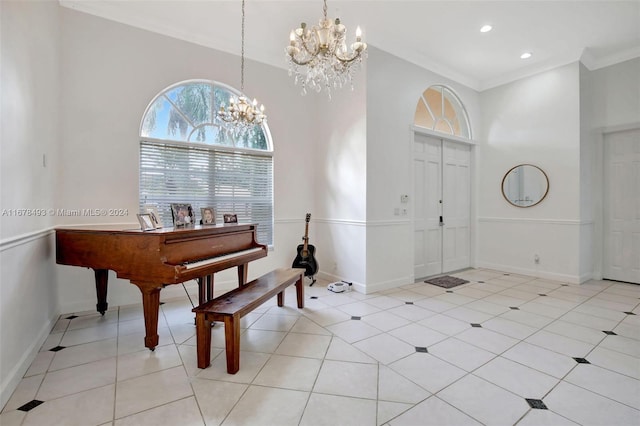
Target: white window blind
point(230, 181)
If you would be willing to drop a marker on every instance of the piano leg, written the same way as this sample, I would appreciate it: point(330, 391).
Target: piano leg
point(151, 307)
point(242, 274)
point(102, 275)
point(205, 289)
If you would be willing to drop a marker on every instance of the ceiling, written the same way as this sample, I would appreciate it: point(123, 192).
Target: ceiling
point(442, 36)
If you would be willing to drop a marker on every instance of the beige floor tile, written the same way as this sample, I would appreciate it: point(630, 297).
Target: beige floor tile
point(431, 373)
point(514, 377)
point(184, 412)
point(77, 379)
point(155, 389)
point(331, 410)
point(348, 379)
point(353, 330)
point(289, 372)
point(397, 388)
point(217, 398)
point(304, 345)
point(484, 401)
point(339, 350)
point(587, 408)
point(385, 348)
point(90, 407)
point(25, 392)
point(433, 412)
point(83, 354)
point(145, 361)
point(268, 406)
point(461, 354)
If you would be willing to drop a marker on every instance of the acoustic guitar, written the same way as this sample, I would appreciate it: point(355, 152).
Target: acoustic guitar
point(305, 258)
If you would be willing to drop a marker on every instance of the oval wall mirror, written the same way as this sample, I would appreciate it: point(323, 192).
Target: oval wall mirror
point(525, 185)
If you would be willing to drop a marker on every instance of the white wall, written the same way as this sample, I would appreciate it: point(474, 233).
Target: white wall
point(340, 182)
point(534, 120)
point(587, 266)
point(29, 70)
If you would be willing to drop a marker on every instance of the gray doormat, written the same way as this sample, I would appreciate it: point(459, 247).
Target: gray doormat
point(446, 281)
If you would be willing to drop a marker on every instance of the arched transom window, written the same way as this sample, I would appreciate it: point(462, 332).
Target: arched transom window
point(439, 109)
point(186, 157)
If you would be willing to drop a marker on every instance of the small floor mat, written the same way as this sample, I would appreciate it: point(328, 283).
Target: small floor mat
point(446, 281)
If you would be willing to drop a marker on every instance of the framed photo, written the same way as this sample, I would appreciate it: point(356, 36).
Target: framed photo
point(182, 214)
point(145, 222)
point(155, 217)
point(208, 216)
point(230, 218)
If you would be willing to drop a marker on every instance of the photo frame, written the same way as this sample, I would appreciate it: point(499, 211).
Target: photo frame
point(207, 216)
point(155, 216)
point(145, 222)
point(182, 214)
point(230, 218)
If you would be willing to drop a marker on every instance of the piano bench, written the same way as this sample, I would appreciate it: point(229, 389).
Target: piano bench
point(235, 304)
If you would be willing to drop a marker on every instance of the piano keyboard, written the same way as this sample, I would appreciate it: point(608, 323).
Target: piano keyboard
point(213, 260)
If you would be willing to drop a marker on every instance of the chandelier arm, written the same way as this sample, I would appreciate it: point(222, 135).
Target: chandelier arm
point(348, 60)
point(301, 63)
point(313, 52)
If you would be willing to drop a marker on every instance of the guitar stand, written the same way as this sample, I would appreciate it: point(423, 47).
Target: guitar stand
point(313, 280)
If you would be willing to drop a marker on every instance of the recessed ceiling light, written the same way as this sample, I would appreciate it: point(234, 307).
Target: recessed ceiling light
point(525, 55)
point(486, 28)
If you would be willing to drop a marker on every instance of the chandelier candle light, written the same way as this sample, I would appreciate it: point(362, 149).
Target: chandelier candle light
point(319, 58)
point(242, 114)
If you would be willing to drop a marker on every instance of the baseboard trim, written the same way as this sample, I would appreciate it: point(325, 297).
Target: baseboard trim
point(11, 382)
point(547, 275)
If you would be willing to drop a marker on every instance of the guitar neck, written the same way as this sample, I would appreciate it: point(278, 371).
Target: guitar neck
point(306, 237)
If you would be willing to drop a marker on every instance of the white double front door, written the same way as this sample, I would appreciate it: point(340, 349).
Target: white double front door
point(442, 197)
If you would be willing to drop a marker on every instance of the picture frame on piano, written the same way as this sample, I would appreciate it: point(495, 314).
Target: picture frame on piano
point(145, 222)
point(207, 216)
point(155, 216)
point(182, 214)
point(230, 218)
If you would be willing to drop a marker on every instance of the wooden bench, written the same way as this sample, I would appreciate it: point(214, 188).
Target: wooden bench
point(232, 306)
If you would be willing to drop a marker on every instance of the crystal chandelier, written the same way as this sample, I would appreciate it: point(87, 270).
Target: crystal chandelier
point(242, 114)
point(319, 58)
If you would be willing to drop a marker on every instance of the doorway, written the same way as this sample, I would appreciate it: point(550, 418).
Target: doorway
point(442, 194)
point(622, 206)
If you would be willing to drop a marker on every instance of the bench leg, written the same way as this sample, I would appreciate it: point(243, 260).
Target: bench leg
point(232, 343)
point(281, 298)
point(203, 340)
point(300, 291)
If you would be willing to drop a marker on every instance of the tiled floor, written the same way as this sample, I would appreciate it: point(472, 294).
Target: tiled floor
point(538, 353)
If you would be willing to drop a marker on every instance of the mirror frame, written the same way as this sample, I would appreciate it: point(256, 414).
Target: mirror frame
point(541, 198)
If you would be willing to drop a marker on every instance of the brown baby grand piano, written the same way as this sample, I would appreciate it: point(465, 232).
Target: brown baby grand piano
point(154, 259)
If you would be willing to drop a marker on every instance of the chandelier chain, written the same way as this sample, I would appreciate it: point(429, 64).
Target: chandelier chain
point(242, 52)
point(242, 115)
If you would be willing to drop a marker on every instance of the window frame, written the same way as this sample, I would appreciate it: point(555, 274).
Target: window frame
point(459, 108)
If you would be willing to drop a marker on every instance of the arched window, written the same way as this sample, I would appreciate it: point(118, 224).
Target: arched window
point(187, 157)
point(439, 109)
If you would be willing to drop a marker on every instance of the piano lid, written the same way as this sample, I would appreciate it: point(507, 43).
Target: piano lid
point(125, 228)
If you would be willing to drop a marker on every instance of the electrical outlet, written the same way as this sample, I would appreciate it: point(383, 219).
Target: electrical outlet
point(536, 259)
